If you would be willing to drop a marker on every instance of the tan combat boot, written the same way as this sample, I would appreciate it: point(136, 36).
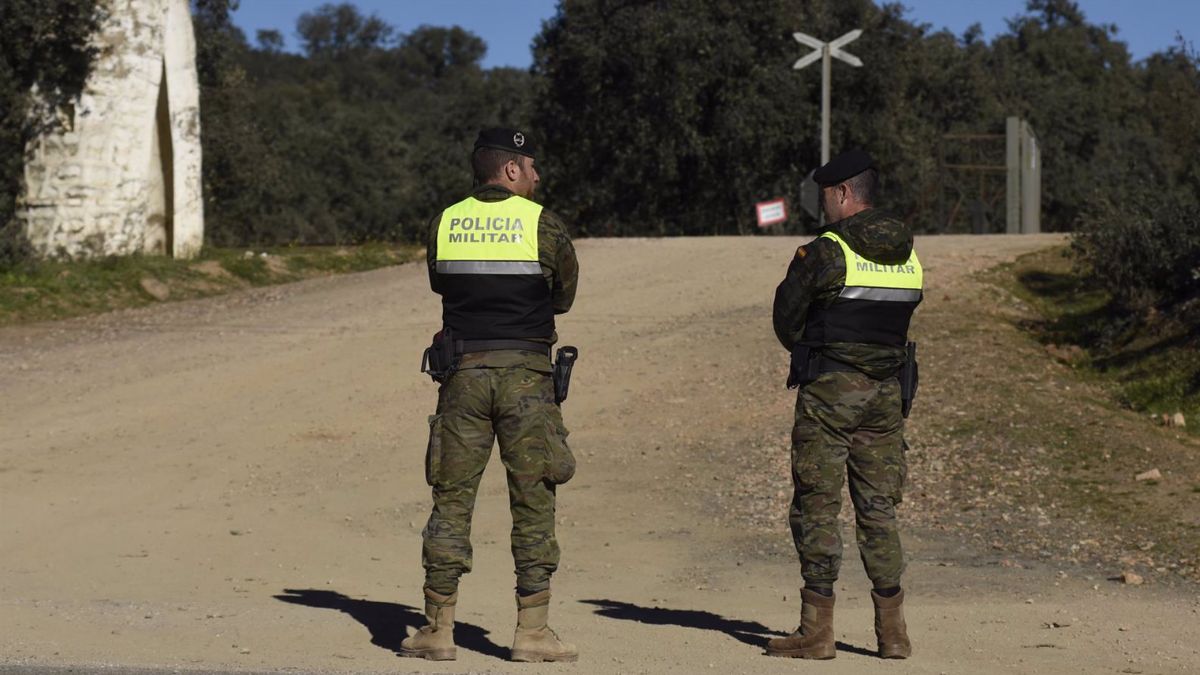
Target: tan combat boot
point(890, 629)
point(435, 640)
point(814, 638)
point(534, 641)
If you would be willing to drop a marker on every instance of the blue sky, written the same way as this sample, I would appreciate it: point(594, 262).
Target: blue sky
point(508, 27)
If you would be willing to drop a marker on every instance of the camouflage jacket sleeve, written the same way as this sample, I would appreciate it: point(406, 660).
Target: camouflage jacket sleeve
point(816, 275)
point(431, 251)
point(559, 265)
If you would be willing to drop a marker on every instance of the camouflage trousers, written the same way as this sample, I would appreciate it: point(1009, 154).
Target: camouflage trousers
point(848, 423)
point(475, 407)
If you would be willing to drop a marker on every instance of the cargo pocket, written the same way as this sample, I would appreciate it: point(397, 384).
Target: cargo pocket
point(804, 434)
point(433, 451)
point(806, 468)
point(560, 462)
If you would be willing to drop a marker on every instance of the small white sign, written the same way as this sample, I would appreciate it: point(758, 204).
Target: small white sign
point(771, 212)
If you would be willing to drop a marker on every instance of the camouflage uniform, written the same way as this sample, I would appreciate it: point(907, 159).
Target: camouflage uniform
point(845, 420)
point(506, 395)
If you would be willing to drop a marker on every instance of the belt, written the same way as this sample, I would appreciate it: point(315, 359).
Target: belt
point(828, 365)
point(472, 346)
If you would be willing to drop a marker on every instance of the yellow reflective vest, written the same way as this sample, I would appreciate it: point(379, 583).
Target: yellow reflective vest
point(876, 304)
point(488, 270)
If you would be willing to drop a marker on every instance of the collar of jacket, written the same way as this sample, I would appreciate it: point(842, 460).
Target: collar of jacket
point(848, 221)
point(491, 192)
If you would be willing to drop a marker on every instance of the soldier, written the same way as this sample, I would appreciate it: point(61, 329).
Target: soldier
point(843, 311)
point(504, 267)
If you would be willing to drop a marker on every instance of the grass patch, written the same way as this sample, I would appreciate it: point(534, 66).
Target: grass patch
point(342, 260)
point(1064, 440)
point(251, 269)
point(48, 290)
point(1154, 362)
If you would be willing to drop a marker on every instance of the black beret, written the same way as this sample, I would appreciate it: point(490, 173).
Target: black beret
point(505, 139)
point(843, 167)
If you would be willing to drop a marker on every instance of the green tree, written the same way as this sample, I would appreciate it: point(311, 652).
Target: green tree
point(674, 118)
point(270, 41)
point(1075, 83)
point(362, 137)
point(241, 173)
point(338, 30)
point(1170, 95)
point(667, 118)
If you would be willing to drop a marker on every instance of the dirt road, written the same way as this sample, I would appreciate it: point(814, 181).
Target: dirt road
point(236, 484)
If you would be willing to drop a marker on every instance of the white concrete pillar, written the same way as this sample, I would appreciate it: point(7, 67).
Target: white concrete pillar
point(98, 186)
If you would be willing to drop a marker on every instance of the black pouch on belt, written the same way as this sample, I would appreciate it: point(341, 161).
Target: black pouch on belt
point(805, 365)
point(564, 360)
point(441, 359)
point(909, 379)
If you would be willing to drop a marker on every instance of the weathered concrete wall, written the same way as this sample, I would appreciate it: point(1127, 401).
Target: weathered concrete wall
point(124, 176)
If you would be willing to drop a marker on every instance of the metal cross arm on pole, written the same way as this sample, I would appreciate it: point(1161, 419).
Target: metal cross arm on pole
point(809, 59)
point(826, 52)
point(806, 39)
point(835, 48)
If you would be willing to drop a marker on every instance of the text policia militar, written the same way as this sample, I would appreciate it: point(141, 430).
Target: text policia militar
point(491, 230)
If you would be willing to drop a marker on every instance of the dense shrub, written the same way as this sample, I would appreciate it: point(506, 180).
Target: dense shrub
point(1142, 247)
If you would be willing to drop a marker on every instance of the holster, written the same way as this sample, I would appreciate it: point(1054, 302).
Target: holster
point(564, 361)
point(909, 379)
point(803, 366)
point(441, 359)
point(809, 363)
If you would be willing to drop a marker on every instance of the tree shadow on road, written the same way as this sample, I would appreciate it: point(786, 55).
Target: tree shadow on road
point(388, 621)
point(750, 632)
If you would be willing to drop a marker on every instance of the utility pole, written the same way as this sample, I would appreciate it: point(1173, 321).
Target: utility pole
point(826, 52)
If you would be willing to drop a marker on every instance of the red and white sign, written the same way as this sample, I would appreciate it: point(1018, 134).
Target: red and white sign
point(771, 212)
